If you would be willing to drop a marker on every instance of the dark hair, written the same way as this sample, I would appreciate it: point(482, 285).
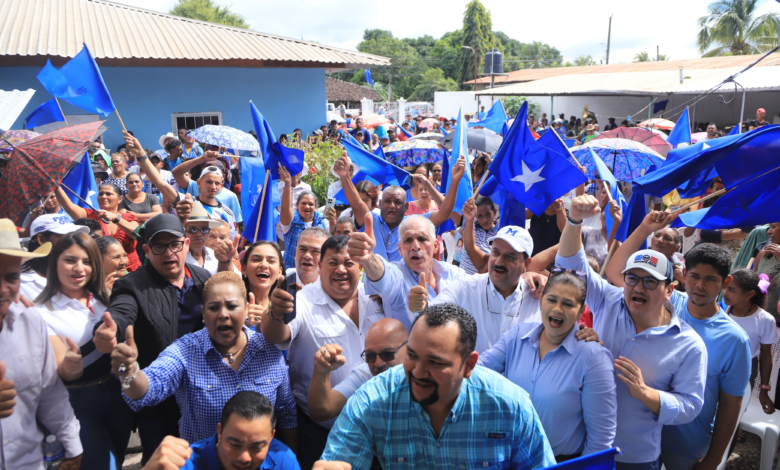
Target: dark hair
point(172, 144)
point(129, 174)
point(104, 242)
point(93, 225)
point(441, 314)
point(747, 280)
point(336, 243)
point(485, 201)
point(708, 253)
point(95, 284)
point(346, 220)
point(252, 248)
point(113, 187)
point(37, 265)
point(569, 279)
point(248, 405)
point(369, 189)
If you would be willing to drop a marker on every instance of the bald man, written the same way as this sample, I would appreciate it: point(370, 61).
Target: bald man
point(385, 348)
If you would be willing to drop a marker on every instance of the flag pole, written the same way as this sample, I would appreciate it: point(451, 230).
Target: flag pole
point(709, 196)
point(582, 169)
point(609, 255)
point(63, 114)
point(481, 182)
point(80, 199)
point(262, 200)
point(120, 119)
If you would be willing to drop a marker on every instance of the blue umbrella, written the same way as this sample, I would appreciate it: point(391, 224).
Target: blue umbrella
point(627, 159)
point(225, 136)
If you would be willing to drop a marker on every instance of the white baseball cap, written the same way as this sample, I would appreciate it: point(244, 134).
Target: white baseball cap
point(653, 262)
point(56, 223)
point(517, 237)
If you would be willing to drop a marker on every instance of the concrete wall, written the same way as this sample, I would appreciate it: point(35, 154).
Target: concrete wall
point(447, 103)
point(146, 97)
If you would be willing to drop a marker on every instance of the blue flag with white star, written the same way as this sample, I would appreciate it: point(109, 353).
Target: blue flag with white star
point(535, 175)
point(495, 119)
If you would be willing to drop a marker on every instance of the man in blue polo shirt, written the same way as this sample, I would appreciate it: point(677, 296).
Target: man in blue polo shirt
point(393, 207)
point(244, 439)
point(704, 440)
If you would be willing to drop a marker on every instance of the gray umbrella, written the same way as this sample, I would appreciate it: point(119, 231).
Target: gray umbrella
point(483, 140)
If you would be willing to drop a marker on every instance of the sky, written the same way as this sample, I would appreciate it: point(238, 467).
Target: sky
point(574, 27)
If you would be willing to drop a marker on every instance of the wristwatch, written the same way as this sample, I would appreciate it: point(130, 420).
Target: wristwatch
point(117, 219)
point(765, 387)
point(143, 158)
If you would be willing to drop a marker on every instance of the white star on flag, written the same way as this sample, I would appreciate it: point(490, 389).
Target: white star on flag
point(529, 178)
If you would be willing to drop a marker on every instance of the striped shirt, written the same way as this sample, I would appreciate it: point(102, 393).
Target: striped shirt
point(481, 240)
point(491, 425)
point(194, 370)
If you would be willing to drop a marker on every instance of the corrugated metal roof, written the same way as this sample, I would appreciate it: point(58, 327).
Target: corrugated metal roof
point(12, 104)
point(710, 63)
point(642, 83)
point(115, 31)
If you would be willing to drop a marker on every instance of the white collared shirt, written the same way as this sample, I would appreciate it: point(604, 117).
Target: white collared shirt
point(32, 284)
point(477, 295)
point(29, 359)
point(210, 262)
point(319, 321)
point(69, 318)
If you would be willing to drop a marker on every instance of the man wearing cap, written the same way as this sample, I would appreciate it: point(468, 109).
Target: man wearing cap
point(760, 115)
point(707, 268)
point(209, 188)
point(197, 229)
point(190, 148)
point(30, 389)
point(163, 301)
point(661, 362)
point(49, 205)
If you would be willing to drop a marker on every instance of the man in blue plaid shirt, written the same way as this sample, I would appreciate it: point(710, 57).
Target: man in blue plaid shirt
point(439, 410)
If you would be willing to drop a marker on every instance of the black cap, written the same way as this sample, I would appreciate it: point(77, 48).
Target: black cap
point(167, 223)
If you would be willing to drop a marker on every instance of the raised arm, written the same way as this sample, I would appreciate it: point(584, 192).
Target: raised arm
point(436, 196)
point(361, 250)
point(445, 210)
point(166, 190)
point(324, 402)
point(286, 216)
point(275, 331)
point(74, 211)
point(179, 172)
point(477, 257)
point(359, 208)
point(571, 236)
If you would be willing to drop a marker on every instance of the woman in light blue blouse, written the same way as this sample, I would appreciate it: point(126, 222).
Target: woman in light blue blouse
point(571, 383)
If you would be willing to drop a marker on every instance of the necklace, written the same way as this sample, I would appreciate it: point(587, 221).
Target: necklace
point(229, 355)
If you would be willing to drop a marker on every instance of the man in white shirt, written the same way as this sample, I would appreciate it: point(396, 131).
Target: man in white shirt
point(307, 255)
point(334, 309)
point(385, 348)
point(30, 389)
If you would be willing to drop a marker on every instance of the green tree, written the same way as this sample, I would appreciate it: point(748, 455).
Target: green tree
point(423, 45)
point(584, 60)
point(642, 57)
point(446, 54)
point(541, 55)
point(207, 10)
point(477, 34)
point(733, 28)
point(406, 70)
point(433, 80)
point(512, 105)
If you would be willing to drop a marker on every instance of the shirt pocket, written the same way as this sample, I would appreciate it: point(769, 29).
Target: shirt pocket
point(399, 463)
point(495, 454)
point(27, 377)
point(207, 387)
point(330, 333)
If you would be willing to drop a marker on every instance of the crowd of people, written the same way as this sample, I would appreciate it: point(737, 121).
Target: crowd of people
point(362, 338)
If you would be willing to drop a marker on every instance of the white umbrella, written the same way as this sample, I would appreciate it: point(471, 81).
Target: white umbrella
point(428, 136)
point(335, 117)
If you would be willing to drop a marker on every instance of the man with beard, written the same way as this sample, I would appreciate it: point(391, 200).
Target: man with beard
point(385, 348)
point(393, 206)
point(334, 309)
point(438, 410)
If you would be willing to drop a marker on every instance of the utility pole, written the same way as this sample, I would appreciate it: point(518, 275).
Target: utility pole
point(390, 88)
point(609, 37)
point(657, 53)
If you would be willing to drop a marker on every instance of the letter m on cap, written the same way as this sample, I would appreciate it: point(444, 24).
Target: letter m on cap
point(511, 232)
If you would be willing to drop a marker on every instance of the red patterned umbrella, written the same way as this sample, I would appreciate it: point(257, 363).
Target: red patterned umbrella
point(39, 165)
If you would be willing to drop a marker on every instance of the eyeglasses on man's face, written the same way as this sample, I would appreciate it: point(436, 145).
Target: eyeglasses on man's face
point(161, 248)
point(387, 356)
point(194, 230)
point(649, 283)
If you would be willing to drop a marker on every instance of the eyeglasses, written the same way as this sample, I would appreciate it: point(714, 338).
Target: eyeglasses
point(649, 283)
point(195, 230)
point(386, 356)
point(435, 171)
point(556, 270)
point(160, 249)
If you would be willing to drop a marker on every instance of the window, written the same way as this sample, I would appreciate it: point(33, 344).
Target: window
point(195, 120)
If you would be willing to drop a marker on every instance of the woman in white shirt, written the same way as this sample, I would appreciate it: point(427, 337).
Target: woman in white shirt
point(746, 294)
point(72, 303)
point(261, 267)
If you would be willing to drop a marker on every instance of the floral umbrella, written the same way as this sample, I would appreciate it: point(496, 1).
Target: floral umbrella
point(11, 139)
point(225, 136)
point(627, 159)
point(414, 152)
point(639, 134)
point(39, 165)
point(370, 120)
point(428, 123)
point(663, 124)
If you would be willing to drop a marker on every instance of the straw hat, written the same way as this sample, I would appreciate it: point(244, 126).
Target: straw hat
point(10, 246)
point(199, 214)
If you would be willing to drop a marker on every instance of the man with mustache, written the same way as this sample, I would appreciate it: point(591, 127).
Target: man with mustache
point(438, 410)
point(385, 348)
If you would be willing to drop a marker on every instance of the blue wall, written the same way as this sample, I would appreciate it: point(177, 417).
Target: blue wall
point(146, 97)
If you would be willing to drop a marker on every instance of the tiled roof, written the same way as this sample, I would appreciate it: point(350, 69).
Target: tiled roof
point(339, 90)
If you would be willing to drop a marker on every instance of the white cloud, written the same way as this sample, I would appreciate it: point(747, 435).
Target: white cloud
point(574, 27)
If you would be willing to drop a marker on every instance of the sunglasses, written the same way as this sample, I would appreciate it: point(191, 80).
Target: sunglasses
point(556, 270)
point(386, 356)
point(195, 230)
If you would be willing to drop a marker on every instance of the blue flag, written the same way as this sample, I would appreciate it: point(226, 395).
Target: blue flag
point(535, 175)
point(460, 147)
point(681, 134)
point(659, 106)
point(252, 172)
point(368, 77)
point(633, 215)
point(376, 168)
point(511, 211)
point(607, 177)
point(405, 132)
point(81, 180)
point(44, 114)
point(79, 83)
point(271, 150)
point(735, 130)
point(736, 159)
point(604, 460)
point(493, 120)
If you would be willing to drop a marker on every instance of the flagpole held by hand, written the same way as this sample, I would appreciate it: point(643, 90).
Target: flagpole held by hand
point(709, 196)
point(63, 114)
point(80, 199)
point(262, 200)
point(120, 119)
point(609, 255)
point(582, 169)
point(481, 182)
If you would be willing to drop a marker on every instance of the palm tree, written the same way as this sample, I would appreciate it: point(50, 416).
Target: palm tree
point(733, 27)
point(642, 57)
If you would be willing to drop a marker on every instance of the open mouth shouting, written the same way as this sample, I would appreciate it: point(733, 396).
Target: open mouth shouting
point(638, 300)
point(225, 331)
point(340, 280)
point(555, 320)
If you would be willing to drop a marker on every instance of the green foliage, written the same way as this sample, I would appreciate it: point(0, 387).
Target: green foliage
point(207, 10)
point(733, 28)
point(584, 60)
point(433, 80)
point(320, 156)
point(645, 57)
point(405, 71)
point(446, 54)
point(512, 105)
point(477, 34)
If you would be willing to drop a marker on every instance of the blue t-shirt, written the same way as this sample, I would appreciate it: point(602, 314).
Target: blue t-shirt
point(227, 197)
point(728, 369)
point(386, 239)
point(204, 456)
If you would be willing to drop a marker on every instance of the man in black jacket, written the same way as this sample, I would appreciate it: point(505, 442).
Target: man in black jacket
point(163, 301)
